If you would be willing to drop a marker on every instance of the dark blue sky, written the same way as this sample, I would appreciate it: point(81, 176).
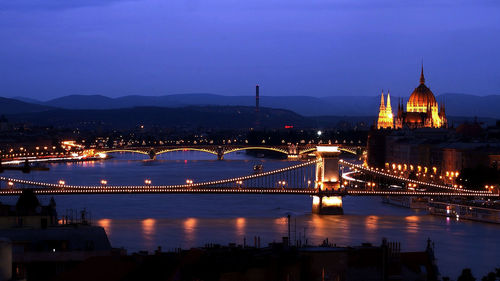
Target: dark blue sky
point(51, 48)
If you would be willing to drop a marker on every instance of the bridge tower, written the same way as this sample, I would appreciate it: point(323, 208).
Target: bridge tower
point(327, 181)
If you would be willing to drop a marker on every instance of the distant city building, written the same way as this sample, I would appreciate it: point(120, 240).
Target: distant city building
point(422, 110)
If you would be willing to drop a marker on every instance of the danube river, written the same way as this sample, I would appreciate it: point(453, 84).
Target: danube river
point(144, 222)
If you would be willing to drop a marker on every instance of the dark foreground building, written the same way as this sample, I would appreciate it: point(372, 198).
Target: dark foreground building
point(275, 262)
point(36, 245)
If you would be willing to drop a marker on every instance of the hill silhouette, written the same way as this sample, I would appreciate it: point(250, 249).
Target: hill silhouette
point(456, 104)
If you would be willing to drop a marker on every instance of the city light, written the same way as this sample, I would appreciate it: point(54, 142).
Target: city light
point(147, 181)
point(104, 182)
point(61, 182)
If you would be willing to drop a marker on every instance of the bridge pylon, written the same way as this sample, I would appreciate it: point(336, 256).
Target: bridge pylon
point(152, 154)
point(292, 152)
point(327, 181)
point(220, 153)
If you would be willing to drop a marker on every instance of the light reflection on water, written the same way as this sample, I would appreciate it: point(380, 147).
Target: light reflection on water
point(240, 227)
point(371, 223)
point(148, 229)
point(412, 224)
point(190, 231)
point(144, 222)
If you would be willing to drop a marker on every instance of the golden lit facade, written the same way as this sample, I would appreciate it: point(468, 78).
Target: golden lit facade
point(385, 116)
point(422, 111)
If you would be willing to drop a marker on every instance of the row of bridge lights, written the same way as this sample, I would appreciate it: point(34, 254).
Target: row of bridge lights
point(372, 184)
point(123, 190)
point(148, 182)
point(372, 169)
point(238, 180)
point(254, 176)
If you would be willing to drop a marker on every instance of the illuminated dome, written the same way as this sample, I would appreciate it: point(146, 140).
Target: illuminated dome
point(421, 98)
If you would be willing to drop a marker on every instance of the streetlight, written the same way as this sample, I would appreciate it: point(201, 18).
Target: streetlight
point(104, 182)
point(188, 181)
point(61, 182)
point(147, 182)
point(10, 184)
point(319, 133)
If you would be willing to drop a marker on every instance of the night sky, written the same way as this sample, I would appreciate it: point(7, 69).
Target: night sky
point(52, 48)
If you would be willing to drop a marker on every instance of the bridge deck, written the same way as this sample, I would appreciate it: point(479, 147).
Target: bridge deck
point(246, 190)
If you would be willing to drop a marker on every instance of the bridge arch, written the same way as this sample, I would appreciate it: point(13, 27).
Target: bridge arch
point(256, 148)
point(185, 149)
point(307, 150)
point(122, 150)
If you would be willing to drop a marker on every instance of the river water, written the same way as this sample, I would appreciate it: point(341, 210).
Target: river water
point(144, 222)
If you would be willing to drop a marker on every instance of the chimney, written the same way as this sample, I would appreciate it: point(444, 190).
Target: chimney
point(257, 97)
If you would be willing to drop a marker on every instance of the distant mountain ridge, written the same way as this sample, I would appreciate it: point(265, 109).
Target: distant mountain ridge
point(13, 106)
point(192, 117)
point(456, 104)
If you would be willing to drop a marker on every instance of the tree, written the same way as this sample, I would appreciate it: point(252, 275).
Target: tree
point(466, 275)
point(490, 277)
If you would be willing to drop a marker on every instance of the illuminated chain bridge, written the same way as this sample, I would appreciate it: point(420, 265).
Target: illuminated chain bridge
point(319, 178)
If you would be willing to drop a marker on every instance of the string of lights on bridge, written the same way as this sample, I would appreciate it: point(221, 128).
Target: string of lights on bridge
point(210, 186)
point(372, 170)
point(189, 183)
point(151, 189)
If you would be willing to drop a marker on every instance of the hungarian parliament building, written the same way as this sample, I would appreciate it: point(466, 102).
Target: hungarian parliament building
point(422, 110)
